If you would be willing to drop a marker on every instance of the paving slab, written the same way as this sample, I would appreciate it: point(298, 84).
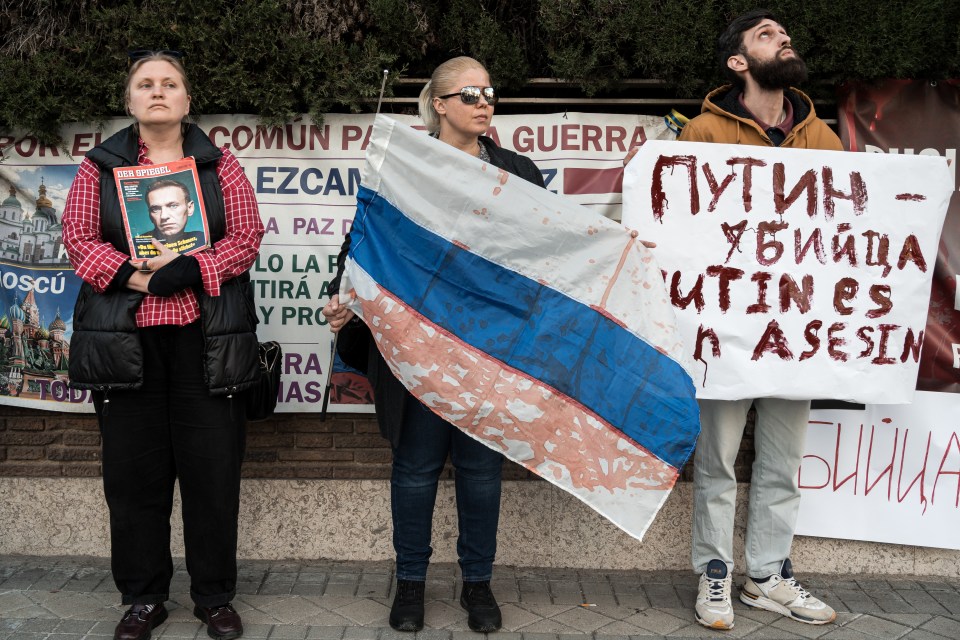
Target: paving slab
point(74, 598)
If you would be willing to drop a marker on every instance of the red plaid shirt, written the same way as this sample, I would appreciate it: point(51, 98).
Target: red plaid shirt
point(97, 261)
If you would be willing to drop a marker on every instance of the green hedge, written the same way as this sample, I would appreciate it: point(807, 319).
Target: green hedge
point(66, 61)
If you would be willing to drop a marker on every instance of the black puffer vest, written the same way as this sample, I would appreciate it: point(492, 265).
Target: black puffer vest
point(105, 350)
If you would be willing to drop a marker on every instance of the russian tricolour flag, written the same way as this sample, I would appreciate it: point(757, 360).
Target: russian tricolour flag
point(531, 323)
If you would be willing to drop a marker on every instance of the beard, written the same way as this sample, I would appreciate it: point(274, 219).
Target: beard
point(777, 73)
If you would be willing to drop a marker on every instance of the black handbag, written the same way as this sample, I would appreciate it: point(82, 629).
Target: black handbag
point(353, 344)
point(262, 397)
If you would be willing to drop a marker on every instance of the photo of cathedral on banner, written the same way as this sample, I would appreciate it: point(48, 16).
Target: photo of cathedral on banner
point(38, 288)
point(306, 177)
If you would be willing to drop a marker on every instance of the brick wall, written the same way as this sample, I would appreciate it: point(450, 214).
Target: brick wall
point(39, 443)
point(346, 446)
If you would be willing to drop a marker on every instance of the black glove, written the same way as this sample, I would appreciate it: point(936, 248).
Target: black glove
point(179, 274)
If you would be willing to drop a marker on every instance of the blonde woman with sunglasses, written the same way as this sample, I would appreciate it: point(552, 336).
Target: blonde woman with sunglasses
point(167, 345)
point(457, 107)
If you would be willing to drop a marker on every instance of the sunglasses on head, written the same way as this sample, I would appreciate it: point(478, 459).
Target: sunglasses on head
point(140, 54)
point(471, 95)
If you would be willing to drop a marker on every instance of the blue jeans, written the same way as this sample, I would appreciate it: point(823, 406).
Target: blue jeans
point(417, 463)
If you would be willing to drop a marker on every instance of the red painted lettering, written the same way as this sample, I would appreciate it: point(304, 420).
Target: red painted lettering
point(659, 198)
point(807, 183)
point(789, 291)
point(857, 195)
point(773, 341)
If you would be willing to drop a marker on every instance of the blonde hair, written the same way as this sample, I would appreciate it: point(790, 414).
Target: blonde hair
point(441, 83)
point(154, 57)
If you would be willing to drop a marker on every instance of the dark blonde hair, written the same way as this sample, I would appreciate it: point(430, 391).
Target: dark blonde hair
point(441, 83)
point(154, 57)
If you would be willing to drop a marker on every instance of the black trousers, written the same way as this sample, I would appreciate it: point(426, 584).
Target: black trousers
point(171, 429)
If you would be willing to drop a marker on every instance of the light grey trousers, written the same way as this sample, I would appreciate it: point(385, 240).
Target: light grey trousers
point(774, 495)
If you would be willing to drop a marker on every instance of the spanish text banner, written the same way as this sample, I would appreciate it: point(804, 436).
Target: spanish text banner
point(306, 176)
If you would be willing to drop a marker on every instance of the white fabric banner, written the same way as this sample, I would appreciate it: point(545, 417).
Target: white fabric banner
point(306, 177)
point(892, 471)
point(795, 273)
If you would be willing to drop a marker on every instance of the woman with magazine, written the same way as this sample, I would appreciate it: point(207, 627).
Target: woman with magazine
point(456, 107)
point(166, 344)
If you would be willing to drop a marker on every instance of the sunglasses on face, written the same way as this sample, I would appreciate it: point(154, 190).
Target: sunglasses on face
point(471, 95)
point(140, 54)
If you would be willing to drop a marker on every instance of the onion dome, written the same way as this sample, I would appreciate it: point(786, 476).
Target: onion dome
point(58, 324)
point(15, 312)
point(12, 201)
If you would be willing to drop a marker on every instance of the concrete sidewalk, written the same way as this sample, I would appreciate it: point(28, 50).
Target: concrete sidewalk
point(74, 598)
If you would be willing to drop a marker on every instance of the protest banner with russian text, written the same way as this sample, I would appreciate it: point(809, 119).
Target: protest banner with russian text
point(795, 273)
point(893, 471)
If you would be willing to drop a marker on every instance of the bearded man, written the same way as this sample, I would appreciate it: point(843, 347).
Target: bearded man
point(761, 107)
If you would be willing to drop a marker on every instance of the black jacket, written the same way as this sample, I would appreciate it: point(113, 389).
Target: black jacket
point(389, 395)
point(105, 350)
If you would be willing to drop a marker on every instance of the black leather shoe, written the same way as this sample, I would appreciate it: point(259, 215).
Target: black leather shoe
point(223, 622)
point(483, 613)
point(139, 621)
point(406, 614)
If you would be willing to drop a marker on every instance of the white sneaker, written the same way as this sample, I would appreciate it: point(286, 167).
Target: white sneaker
point(714, 608)
point(782, 594)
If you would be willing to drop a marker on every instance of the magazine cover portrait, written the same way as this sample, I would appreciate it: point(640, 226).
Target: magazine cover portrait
point(160, 202)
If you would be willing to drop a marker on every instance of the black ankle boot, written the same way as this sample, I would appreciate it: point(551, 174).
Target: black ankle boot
point(406, 614)
point(483, 613)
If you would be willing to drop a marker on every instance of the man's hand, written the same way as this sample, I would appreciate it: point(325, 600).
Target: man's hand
point(336, 314)
point(632, 152)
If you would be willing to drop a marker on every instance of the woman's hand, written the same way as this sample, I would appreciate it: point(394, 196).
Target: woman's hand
point(336, 314)
point(155, 263)
point(140, 280)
